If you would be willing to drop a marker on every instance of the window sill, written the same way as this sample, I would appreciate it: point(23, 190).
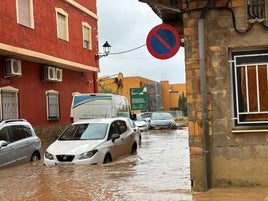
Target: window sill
point(250, 131)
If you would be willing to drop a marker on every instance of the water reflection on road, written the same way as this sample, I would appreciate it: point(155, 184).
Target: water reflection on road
point(160, 171)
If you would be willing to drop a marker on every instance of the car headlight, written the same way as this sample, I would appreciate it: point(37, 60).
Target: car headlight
point(49, 156)
point(88, 154)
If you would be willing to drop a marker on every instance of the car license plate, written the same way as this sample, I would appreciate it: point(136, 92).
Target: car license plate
point(59, 164)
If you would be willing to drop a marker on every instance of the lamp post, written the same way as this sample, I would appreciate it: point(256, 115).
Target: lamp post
point(106, 50)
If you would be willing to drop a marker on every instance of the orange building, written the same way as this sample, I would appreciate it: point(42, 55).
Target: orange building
point(171, 93)
point(161, 95)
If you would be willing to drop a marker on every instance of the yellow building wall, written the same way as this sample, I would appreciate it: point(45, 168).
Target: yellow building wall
point(170, 92)
point(175, 91)
point(165, 95)
point(134, 82)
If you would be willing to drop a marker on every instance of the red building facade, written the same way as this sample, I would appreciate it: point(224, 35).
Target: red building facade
point(47, 53)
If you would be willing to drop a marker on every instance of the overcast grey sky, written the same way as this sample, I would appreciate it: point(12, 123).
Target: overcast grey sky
point(125, 24)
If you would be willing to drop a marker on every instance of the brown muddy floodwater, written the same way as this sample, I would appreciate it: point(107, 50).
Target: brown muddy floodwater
point(159, 171)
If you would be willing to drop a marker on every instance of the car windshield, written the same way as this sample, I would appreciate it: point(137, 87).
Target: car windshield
point(89, 131)
point(139, 118)
point(161, 116)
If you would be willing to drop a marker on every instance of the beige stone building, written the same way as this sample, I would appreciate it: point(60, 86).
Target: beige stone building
point(226, 55)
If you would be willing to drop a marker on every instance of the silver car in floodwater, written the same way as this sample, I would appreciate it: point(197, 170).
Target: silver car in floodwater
point(160, 120)
point(18, 143)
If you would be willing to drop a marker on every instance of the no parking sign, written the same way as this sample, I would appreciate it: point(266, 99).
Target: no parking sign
point(163, 41)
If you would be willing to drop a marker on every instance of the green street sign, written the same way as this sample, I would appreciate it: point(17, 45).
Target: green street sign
point(138, 98)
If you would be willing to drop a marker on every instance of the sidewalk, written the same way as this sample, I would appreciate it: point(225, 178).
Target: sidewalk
point(232, 194)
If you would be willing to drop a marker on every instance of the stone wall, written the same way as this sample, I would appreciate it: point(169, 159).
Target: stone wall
point(237, 159)
point(49, 134)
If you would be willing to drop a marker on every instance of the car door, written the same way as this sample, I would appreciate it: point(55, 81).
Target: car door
point(127, 136)
point(20, 143)
point(5, 150)
point(135, 131)
point(117, 148)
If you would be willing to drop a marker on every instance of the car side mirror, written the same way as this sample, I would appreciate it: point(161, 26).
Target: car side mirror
point(133, 116)
point(3, 143)
point(115, 136)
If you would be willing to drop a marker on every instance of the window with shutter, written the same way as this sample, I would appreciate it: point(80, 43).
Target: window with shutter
point(53, 109)
point(62, 24)
point(25, 13)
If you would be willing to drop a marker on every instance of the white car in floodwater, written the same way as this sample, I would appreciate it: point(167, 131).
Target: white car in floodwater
point(94, 141)
point(142, 124)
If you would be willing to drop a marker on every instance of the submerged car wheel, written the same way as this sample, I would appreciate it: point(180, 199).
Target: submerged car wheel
point(107, 159)
point(35, 157)
point(174, 127)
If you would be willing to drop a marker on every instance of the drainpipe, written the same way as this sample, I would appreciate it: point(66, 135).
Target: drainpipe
point(95, 82)
point(205, 134)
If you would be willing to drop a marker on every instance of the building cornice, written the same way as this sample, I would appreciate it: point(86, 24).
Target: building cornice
point(82, 8)
point(38, 57)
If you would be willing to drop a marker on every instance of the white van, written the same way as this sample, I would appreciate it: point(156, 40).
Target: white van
point(99, 105)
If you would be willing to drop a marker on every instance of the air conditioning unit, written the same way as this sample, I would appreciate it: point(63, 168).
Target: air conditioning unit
point(12, 67)
point(58, 75)
point(49, 74)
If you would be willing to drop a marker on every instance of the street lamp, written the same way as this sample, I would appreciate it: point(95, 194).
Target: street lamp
point(106, 50)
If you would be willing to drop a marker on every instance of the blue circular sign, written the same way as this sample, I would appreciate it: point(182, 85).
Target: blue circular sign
point(163, 41)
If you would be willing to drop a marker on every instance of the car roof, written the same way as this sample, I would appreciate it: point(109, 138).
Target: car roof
point(95, 94)
point(14, 121)
point(100, 120)
point(160, 113)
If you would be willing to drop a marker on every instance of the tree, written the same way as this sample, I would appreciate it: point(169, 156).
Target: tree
point(182, 104)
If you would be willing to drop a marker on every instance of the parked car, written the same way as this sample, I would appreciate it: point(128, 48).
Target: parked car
point(141, 123)
point(146, 115)
point(18, 143)
point(93, 141)
point(160, 120)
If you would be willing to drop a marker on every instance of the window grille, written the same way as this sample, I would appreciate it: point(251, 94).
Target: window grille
point(250, 81)
point(256, 10)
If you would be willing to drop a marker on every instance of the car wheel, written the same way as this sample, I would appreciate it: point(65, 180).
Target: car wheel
point(174, 127)
point(134, 149)
point(107, 159)
point(35, 157)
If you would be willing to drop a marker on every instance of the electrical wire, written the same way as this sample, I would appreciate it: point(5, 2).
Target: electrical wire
point(264, 25)
point(205, 9)
point(127, 50)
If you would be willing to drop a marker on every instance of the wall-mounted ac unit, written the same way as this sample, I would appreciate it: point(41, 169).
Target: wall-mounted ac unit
point(12, 67)
point(58, 74)
point(49, 74)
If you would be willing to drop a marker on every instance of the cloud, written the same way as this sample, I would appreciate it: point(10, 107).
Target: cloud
point(125, 24)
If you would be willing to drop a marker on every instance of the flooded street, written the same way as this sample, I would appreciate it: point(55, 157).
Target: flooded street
point(159, 171)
